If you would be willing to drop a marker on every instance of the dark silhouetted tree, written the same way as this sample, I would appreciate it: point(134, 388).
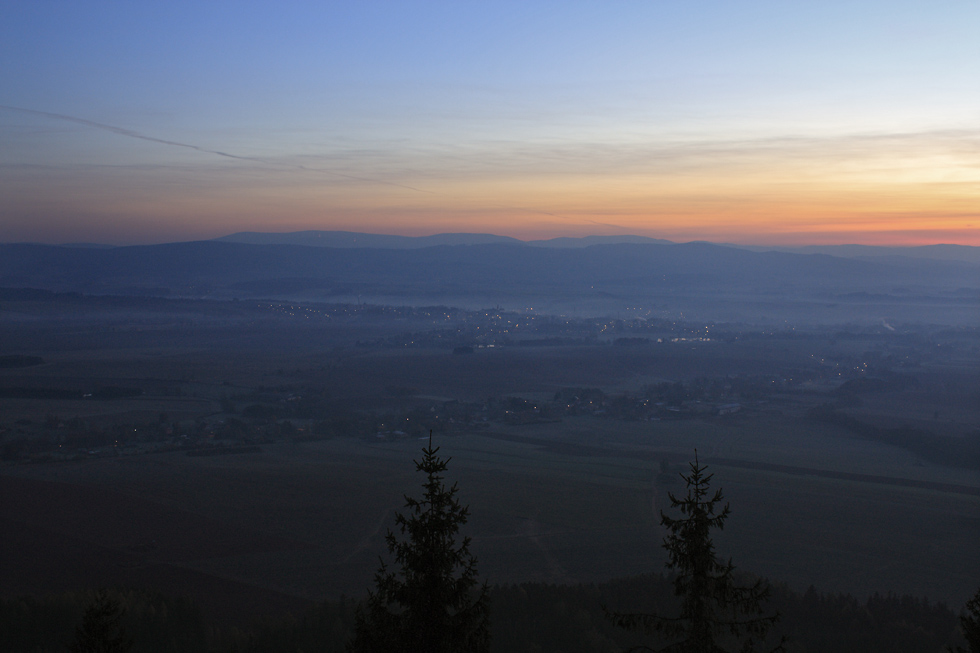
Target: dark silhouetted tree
point(715, 612)
point(970, 624)
point(434, 602)
point(101, 629)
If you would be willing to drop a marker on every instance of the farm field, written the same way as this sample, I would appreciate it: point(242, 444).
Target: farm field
point(307, 520)
point(565, 451)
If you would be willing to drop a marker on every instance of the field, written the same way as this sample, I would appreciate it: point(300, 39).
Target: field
point(307, 519)
point(575, 497)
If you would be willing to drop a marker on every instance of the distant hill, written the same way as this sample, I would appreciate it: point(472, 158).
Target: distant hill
point(962, 253)
point(587, 241)
point(205, 267)
point(356, 240)
point(349, 239)
point(686, 279)
point(89, 245)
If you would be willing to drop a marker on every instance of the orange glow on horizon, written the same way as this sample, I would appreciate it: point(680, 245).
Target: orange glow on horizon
point(858, 191)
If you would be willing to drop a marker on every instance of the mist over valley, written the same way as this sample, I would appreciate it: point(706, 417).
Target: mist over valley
point(254, 410)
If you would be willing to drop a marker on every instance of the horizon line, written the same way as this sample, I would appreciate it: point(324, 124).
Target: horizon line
point(96, 244)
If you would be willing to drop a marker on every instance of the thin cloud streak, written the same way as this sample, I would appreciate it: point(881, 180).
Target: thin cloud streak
point(152, 139)
point(266, 161)
point(121, 131)
point(947, 156)
point(654, 186)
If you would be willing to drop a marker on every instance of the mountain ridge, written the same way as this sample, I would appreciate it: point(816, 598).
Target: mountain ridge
point(363, 240)
point(351, 239)
point(718, 282)
point(219, 262)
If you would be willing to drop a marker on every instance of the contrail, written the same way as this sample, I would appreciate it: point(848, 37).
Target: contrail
point(122, 131)
point(152, 139)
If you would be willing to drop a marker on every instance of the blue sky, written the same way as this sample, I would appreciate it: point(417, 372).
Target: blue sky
point(750, 121)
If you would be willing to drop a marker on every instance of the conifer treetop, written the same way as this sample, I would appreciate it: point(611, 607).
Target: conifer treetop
point(714, 610)
point(433, 600)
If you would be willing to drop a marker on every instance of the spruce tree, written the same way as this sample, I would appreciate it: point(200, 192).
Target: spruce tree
point(101, 629)
point(433, 602)
point(970, 625)
point(715, 612)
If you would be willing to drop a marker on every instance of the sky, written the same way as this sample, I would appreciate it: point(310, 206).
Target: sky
point(774, 123)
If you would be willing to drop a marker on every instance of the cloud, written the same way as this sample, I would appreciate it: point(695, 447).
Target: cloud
point(638, 183)
point(276, 162)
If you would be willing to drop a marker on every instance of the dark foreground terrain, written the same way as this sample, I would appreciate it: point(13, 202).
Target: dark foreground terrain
point(525, 617)
point(250, 455)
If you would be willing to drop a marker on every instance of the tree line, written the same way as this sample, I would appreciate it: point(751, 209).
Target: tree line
point(427, 597)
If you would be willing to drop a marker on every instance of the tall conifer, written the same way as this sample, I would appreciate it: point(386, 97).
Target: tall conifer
point(434, 601)
point(970, 625)
point(714, 611)
point(101, 628)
